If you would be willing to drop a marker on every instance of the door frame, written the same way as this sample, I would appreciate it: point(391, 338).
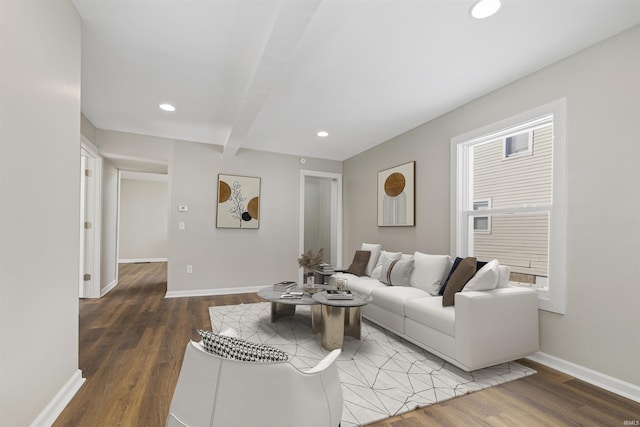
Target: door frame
point(336, 212)
point(91, 202)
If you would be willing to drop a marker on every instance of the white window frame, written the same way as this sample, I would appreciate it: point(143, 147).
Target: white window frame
point(488, 202)
point(553, 297)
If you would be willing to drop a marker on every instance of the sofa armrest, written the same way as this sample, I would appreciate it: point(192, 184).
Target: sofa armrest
point(495, 326)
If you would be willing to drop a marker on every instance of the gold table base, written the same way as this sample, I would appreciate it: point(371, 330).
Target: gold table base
point(279, 310)
point(338, 322)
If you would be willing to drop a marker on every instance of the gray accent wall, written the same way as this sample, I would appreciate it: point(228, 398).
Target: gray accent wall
point(40, 207)
point(602, 87)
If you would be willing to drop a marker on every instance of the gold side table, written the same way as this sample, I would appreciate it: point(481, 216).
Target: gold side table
point(340, 318)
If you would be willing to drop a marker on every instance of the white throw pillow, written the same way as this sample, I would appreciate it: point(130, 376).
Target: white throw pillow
point(485, 279)
point(384, 256)
point(375, 249)
point(430, 271)
point(504, 272)
point(396, 272)
point(406, 257)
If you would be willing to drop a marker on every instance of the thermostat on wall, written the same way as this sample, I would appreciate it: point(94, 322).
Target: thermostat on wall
point(183, 208)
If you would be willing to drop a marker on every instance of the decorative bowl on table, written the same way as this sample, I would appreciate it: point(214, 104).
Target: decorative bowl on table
point(312, 289)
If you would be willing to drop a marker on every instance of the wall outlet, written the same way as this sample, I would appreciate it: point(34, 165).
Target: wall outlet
point(189, 269)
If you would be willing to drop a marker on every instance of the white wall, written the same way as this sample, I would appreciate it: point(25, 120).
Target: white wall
point(602, 86)
point(40, 196)
point(144, 216)
point(222, 259)
point(87, 129)
point(129, 146)
point(108, 240)
point(126, 151)
point(228, 259)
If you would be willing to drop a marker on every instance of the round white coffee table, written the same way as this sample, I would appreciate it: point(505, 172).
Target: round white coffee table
point(340, 317)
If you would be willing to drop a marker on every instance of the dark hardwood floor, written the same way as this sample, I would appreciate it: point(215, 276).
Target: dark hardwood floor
point(132, 342)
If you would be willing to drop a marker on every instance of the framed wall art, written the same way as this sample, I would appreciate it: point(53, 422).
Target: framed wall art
point(396, 196)
point(238, 202)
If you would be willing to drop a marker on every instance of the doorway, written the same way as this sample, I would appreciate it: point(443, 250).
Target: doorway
point(143, 217)
point(321, 215)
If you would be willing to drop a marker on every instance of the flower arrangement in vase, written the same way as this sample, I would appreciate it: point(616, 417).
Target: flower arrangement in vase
point(309, 261)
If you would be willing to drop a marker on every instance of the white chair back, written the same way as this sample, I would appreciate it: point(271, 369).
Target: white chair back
point(215, 391)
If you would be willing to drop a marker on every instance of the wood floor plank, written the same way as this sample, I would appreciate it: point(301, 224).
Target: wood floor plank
point(132, 343)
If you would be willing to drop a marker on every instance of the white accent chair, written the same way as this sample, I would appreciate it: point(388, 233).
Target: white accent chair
point(216, 391)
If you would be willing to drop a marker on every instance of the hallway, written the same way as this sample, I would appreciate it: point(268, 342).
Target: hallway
point(131, 347)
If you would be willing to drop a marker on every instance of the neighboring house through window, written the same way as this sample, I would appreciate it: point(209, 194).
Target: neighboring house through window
point(510, 199)
point(518, 144)
point(482, 224)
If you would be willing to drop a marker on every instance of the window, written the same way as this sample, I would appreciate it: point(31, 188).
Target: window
point(482, 224)
point(518, 144)
point(511, 206)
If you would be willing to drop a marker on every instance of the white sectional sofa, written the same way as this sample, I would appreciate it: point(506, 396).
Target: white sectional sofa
point(489, 323)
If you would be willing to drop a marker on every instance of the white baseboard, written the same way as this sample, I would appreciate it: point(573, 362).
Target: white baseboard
point(132, 260)
point(210, 292)
point(108, 288)
point(607, 382)
point(52, 411)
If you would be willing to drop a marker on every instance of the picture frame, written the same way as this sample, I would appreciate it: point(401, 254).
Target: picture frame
point(396, 196)
point(238, 202)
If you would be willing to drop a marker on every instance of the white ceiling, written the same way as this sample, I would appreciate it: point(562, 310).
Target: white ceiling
point(268, 74)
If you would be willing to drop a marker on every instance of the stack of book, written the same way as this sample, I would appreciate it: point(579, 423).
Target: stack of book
point(326, 268)
point(292, 295)
point(335, 294)
point(284, 286)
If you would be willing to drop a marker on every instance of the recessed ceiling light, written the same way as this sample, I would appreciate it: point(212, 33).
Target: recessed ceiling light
point(485, 8)
point(323, 134)
point(167, 107)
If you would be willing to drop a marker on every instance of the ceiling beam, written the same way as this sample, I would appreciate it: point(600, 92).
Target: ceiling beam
point(288, 28)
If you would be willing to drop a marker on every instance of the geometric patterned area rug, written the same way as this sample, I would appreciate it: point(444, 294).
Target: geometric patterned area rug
point(382, 375)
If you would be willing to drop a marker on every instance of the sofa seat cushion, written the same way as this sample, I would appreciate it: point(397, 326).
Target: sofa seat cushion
point(430, 312)
point(393, 298)
point(362, 285)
